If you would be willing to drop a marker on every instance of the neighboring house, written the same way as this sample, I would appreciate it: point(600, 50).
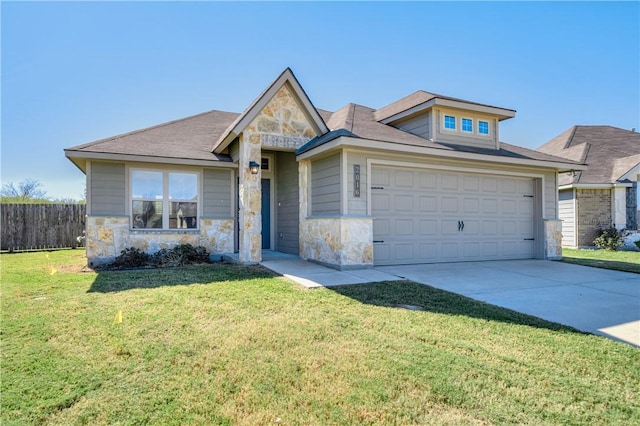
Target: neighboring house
point(605, 194)
point(424, 179)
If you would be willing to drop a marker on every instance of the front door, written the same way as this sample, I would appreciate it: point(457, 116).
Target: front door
point(266, 214)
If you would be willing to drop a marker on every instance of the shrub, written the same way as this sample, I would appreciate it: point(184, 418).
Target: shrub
point(183, 254)
point(609, 239)
point(131, 258)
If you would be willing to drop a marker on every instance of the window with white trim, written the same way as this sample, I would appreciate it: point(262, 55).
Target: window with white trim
point(164, 199)
point(449, 122)
point(467, 125)
point(483, 127)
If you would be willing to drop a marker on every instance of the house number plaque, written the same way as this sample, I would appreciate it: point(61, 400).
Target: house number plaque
point(356, 180)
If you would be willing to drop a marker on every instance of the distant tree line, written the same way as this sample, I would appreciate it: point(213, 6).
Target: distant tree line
point(30, 191)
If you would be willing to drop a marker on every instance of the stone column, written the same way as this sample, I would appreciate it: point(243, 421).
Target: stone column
point(552, 239)
point(250, 195)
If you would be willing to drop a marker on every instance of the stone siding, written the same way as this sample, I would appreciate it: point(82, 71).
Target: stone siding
point(282, 125)
point(342, 243)
point(553, 239)
point(593, 212)
point(106, 237)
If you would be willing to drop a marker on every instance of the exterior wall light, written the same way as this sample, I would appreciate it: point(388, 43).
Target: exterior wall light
point(254, 167)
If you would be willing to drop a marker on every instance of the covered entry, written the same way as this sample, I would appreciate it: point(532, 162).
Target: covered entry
point(427, 216)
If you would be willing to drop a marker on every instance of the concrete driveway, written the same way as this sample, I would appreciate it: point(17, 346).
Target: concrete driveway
point(596, 300)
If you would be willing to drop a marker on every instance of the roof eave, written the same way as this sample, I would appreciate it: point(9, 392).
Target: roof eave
point(346, 141)
point(501, 113)
point(79, 158)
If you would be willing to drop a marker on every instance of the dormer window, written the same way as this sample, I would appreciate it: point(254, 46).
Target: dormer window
point(483, 127)
point(467, 125)
point(449, 122)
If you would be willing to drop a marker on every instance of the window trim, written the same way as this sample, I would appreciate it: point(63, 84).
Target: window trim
point(488, 134)
point(166, 201)
point(444, 123)
point(462, 120)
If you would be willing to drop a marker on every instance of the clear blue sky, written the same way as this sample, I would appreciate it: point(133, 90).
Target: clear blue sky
point(76, 72)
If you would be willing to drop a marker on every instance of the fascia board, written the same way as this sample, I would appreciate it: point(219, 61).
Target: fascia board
point(417, 150)
point(502, 113)
point(74, 155)
point(406, 113)
point(596, 185)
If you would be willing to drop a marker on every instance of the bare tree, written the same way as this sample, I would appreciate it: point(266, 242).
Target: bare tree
point(27, 189)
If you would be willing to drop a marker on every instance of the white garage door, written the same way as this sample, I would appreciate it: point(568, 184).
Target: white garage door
point(426, 216)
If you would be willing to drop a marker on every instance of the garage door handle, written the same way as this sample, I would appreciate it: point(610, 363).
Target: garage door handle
point(460, 225)
point(378, 241)
point(529, 239)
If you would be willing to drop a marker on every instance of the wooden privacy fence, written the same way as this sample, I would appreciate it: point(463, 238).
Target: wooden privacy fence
point(41, 226)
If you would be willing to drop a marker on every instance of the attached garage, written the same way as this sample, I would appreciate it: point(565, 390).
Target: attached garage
point(428, 216)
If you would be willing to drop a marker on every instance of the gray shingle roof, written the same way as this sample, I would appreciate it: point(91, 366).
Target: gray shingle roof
point(610, 152)
point(417, 98)
point(361, 122)
point(188, 138)
point(191, 138)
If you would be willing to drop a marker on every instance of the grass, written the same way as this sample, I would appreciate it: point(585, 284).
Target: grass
point(223, 344)
point(628, 261)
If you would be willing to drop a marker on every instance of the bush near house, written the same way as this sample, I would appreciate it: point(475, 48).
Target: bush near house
point(609, 239)
point(180, 255)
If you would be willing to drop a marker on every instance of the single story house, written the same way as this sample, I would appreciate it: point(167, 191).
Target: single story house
point(423, 179)
point(605, 194)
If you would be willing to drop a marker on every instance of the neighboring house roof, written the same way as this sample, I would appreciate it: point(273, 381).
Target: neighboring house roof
point(610, 153)
point(252, 111)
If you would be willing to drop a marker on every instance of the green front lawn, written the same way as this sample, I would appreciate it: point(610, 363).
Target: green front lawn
point(628, 261)
point(224, 344)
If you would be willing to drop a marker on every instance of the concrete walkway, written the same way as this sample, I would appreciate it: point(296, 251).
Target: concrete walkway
point(595, 300)
point(313, 275)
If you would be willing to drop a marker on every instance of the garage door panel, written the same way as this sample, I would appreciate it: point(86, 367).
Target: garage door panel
point(490, 206)
point(449, 205)
point(404, 203)
point(418, 213)
point(472, 227)
point(490, 249)
point(381, 227)
point(449, 251)
point(470, 183)
point(428, 204)
point(470, 205)
point(450, 182)
point(404, 252)
point(428, 227)
point(404, 227)
point(428, 180)
point(509, 207)
point(449, 227)
point(380, 202)
point(472, 250)
point(509, 227)
point(428, 251)
point(404, 179)
point(489, 184)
